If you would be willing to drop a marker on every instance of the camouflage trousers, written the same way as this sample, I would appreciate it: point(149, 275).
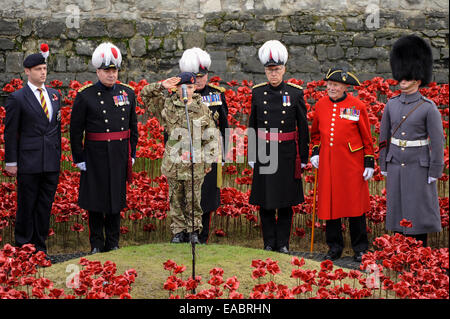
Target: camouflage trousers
point(180, 197)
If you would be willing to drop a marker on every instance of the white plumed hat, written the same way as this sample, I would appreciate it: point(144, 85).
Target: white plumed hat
point(195, 60)
point(106, 56)
point(273, 52)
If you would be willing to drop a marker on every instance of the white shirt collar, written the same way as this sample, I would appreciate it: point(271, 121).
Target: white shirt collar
point(34, 87)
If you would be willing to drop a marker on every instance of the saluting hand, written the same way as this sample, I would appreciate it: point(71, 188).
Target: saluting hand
point(171, 82)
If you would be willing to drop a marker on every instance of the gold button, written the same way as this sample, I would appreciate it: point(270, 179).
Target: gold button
point(402, 148)
point(265, 112)
point(281, 131)
point(403, 133)
point(121, 128)
point(334, 114)
point(333, 119)
point(279, 142)
point(335, 105)
point(101, 102)
point(403, 164)
point(331, 144)
point(106, 121)
point(99, 93)
point(282, 122)
point(404, 117)
point(332, 134)
point(265, 102)
point(123, 109)
point(284, 112)
point(331, 139)
point(107, 130)
point(109, 140)
point(332, 124)
point(121, 140)
point(332, 129)
point(265, 93)
point(265, 122)
point(267, 141)
point(123, 118)
point(104, 111)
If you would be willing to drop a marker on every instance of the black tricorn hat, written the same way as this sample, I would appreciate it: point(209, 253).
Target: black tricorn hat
point(411, 59)
point(341, 75)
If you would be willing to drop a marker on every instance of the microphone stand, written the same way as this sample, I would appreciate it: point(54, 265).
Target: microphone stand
point(191, 147)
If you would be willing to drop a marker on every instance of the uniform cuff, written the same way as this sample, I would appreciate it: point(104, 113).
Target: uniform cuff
point(315, 150)
point(369, 161)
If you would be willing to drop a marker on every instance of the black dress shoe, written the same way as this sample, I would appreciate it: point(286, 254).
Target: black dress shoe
point(332, 255)
point(95, 250)
point(268, 248)
point(193, 238)
point(179, 238)
point(283, 250)
point(358, 256)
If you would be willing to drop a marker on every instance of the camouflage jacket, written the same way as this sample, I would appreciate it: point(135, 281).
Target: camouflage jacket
point(171, 114)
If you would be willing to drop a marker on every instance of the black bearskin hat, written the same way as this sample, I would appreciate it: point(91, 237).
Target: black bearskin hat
point(411, 59)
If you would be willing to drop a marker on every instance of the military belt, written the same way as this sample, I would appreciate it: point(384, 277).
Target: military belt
point(405, 143)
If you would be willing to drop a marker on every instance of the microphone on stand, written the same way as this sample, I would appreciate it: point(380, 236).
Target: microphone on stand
point(184, 94)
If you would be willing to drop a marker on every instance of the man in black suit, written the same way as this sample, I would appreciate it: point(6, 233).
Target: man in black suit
point(103, 137)
point(33, 151)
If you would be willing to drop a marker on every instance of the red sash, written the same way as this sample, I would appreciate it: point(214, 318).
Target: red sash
point(285, 137)
point(114, 136)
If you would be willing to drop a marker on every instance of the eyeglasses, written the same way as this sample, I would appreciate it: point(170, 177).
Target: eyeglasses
point(274, 70)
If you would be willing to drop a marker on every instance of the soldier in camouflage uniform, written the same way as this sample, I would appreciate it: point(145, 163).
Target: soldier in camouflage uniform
point(169, 109)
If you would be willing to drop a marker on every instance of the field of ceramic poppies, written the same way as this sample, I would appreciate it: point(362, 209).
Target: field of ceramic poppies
point(405, 269)
point(145, 218)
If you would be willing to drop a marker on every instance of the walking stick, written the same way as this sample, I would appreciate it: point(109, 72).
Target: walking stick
point(314, 210)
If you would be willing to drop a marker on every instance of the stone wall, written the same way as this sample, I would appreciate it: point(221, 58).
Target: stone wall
point(153, 34)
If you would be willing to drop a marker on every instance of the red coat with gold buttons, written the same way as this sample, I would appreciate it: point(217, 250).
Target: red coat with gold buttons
point(341, 136)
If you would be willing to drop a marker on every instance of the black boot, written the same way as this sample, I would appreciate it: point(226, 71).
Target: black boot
point(179, 238)
point(193, 237)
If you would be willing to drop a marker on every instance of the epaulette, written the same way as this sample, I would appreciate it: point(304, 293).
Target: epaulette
point(295, 85)
point(260, 84)
point(219, 88)
point(127, 85)
point(427, 99)
point(84, 87)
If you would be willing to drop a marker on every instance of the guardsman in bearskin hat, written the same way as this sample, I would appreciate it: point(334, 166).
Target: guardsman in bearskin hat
point(342, 140)
point(412, 143)
point(104, 114)
point(278, 115)
point(198, 61)
point(170, 110)
point(33, 150)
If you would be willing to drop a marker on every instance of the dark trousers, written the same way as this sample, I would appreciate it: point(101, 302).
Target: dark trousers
point(358, 234)
point(422, 237)
point(35, 195)
point(206, 221)
point(276, 230)
point(110, 223)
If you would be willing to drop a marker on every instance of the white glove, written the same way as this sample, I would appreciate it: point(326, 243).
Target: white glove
point(383, 173)
point(315, 161)
point(132, 161)
point(303, 165)
point(81, 166)
point(368, 173)
point(252, 164)
point(431, 179)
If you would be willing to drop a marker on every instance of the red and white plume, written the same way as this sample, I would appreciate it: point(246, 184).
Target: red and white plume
point(273, 49)
point(106, 54)
point(44, 50)
point(194, 59)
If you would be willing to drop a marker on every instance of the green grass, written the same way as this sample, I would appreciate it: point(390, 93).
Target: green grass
point(148, 261)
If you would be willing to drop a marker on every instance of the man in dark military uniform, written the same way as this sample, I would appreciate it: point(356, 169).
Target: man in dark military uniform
point(33, 150)
point(198, 61)
point(278, 106)
point(105, 114)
